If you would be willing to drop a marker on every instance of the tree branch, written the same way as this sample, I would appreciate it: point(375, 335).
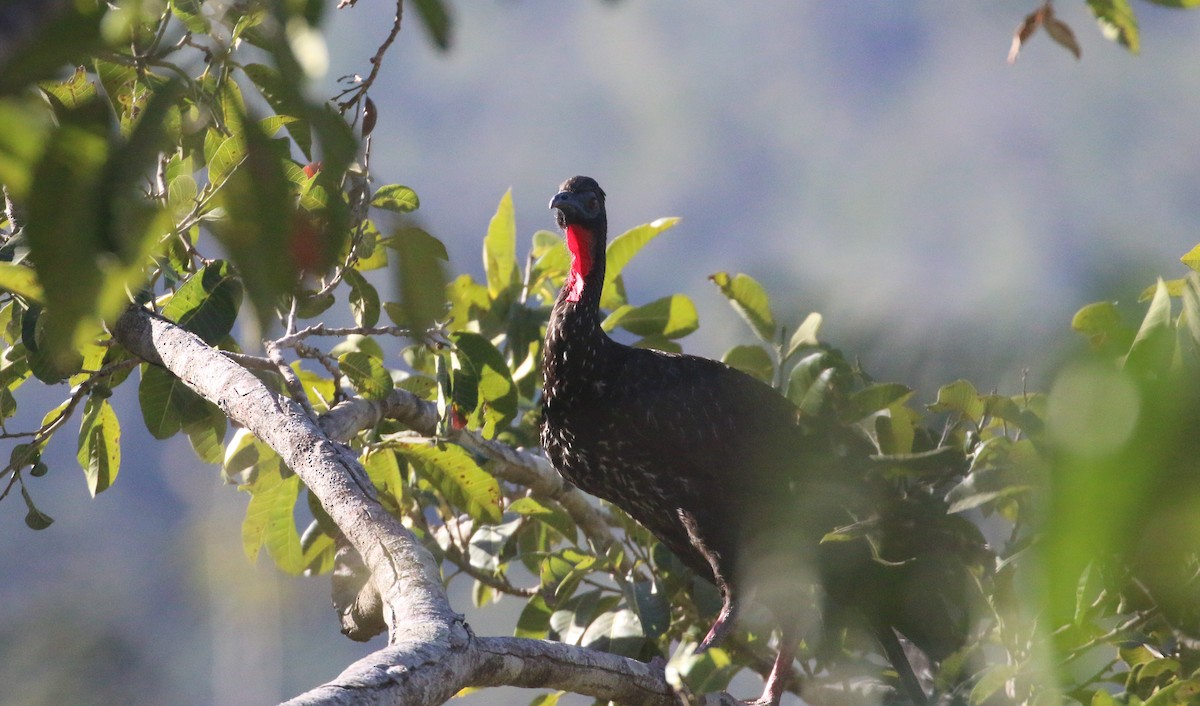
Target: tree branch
point(432, 653)
point(513, 465)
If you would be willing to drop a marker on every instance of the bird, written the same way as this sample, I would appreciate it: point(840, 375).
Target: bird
point(728, 474)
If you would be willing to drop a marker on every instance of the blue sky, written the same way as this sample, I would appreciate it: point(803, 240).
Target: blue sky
point(878, 162)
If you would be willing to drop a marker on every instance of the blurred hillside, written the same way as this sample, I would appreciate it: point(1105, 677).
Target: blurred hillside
point(875, 161)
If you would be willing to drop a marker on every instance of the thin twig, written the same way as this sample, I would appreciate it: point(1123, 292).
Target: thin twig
point(293, 339)
point(355, 93)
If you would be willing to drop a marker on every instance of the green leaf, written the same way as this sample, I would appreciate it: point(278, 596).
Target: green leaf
point(1192, 258)
point(752, 360)
point(1178, 4)
point(984, 486)
point(72, 93)
point(872, 399)
point(384, 471)
point(397, 198)
point(436, 21)
point(1189, 325)
point(484, 363)
point(208, 302)
point(285, 99)
point(366, 374)
point(653, 608)
point(246, 458)
point(500, 249)
point(64, 37)
point(35, 519)
point(364, 300)
point(455, 473)
point(813, 400)
point(616, 632)
point(206, 432)
point(270, 521)
point(555, 519)
point(421, 280)
point(26, 127)
point(1154, 344)
point(1174, 289)
point(21, 280)
point(227, 156)
point(64, 216)
point(620, 251)
point(258, 227)
point(959, 397)
point(810, 381)
point(805, 335)
point(99, 444)
point(1117, 22)
point(191, 15)
point(671, 317)
point(467, 299)
point(750, 300)
point(534, 622)
point(167, 403)
point(990, 681)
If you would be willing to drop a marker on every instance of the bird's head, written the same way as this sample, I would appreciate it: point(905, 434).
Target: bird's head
point(580, 202)
point(579, 210)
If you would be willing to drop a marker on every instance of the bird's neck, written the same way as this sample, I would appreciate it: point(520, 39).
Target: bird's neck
point(574, 331)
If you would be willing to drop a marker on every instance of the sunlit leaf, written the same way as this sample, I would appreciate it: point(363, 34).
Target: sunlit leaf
point(750, 300)
point(1117, 21)
point(22, 280)
point(671, 317)
point(456, 474)
point(1155, 341)
point(485, 365)
point(752, 360)
point(805, 334)
point(397, 198)
point(621, 250)
point(208, 302)
point(99, 444)
point(422, 280)
point(500, 248)
point(366, 374)
point(961, 398)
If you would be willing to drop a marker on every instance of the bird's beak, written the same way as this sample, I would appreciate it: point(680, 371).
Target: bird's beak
point(566, 202)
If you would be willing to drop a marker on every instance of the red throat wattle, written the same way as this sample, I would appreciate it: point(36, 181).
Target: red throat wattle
point(579, 242)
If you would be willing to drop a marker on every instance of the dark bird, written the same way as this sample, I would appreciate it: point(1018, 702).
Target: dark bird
point(727, 473)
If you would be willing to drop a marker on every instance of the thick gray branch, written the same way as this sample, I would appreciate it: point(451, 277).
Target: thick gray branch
point(431, 653)
point(405, 573)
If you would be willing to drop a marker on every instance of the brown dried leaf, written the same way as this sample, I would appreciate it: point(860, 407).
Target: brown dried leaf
point(1061, 33)
point(1025, 30)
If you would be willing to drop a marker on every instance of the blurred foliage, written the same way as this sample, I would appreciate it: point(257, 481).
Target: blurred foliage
point(1116, 19)
point(167, 154)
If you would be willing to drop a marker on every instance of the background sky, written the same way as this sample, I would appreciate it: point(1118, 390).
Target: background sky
point(876, 161)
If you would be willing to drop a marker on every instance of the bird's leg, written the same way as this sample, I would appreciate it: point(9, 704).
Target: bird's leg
point(723, 625)
point(781, 672)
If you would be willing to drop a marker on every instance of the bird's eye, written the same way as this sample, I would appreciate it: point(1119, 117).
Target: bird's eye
point(592, 203)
